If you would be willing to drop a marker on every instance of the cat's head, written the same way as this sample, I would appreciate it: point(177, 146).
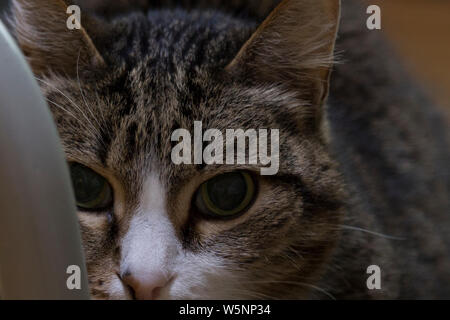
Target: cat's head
point(154, 229)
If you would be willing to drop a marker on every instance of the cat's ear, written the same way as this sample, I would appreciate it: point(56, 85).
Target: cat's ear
point(46, 40)
point(293, 46)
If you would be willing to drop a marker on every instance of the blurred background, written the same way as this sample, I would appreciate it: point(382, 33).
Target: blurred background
point(420, 31)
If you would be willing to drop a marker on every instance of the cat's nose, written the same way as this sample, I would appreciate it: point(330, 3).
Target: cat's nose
point(145, 286)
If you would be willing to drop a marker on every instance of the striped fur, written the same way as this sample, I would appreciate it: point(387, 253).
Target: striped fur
point(335, 204)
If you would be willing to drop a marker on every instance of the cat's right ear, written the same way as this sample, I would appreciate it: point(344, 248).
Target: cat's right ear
point(50, 46)
point(294, 47)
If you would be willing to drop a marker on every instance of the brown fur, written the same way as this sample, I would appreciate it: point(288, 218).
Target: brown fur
point(167, 69)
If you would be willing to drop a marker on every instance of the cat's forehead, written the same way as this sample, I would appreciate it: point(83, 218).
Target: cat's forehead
point(171, 39)
point(144, 113)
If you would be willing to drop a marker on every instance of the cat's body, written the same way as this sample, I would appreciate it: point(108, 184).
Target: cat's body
point(315, 229)
point(392, 145)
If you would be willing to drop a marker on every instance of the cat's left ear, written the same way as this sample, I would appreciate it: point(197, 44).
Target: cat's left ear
point(47, 42)
point(294, 46)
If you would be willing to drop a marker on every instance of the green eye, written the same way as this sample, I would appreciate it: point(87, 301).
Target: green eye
point(92, 191)
point(225, 195)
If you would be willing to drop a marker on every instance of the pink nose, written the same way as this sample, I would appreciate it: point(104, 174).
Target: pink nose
point(147, 286)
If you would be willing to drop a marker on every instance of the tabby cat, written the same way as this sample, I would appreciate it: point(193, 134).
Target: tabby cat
point(364, 155)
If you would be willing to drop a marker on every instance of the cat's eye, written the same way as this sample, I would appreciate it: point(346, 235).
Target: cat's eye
point(92, 191)
point(226, 195)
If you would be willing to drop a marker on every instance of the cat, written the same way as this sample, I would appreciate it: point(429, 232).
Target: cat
point(363, 176)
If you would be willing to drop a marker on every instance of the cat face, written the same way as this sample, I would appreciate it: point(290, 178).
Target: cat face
point(145, 229)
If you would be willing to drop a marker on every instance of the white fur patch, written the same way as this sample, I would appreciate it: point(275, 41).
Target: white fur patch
point(150, 244)
point(117, 289)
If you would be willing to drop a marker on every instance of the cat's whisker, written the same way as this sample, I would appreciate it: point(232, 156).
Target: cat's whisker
point(62, 108)
point(100, 109)
point(291, 260)
point(74, 104)
point(296, 252)
point(345, 227)
point(253, 294)
point(295, 283)
point(322, 290)
point(82, 93)
point(86, 104)
point(68, 112)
